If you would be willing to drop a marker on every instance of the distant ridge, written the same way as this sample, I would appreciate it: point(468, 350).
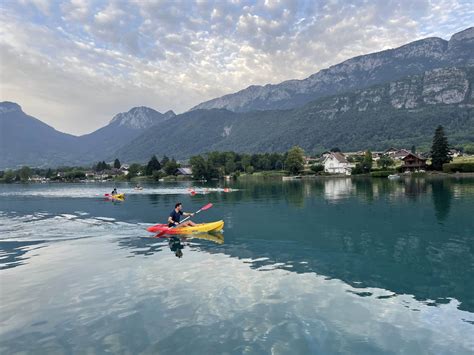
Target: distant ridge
point(394, 97)
point(25, 140)
point(353, 74)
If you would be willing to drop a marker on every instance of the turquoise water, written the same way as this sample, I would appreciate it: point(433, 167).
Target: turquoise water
point(328, 266)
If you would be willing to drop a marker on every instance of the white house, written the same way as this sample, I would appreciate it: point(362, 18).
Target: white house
point(336, 163)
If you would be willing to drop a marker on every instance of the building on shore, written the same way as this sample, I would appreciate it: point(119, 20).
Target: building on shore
point(336, 163)
point(413, 162)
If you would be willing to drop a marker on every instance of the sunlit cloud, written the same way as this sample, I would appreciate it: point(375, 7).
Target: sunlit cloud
point(77, 63)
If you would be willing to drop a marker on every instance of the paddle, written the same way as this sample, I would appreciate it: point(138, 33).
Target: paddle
point(206, 207)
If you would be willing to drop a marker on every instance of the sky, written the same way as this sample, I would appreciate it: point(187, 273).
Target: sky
point(75, 64)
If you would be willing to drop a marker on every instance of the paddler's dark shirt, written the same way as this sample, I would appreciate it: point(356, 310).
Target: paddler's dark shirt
point(175, 216)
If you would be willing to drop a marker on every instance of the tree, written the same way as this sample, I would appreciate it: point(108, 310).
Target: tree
point(317, 168)
point(49, 174)
point(9, 176)
point(199, 167)
point(295, 160)
point(468, 149)
point(133, 170)
point(171, 167)
point(117, 164)
point(335, 149)
point(413, 149)
point(367, 161)
point(164, 160)
point(101, 166)
point(152, 165)
point(385, 161)
point(25, 173)
point(230, 166)
point(439, 149)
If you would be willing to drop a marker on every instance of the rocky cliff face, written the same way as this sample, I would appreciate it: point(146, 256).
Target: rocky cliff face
point(438, 86)
point(140, 118)
point(402, 112)
point(353, 74)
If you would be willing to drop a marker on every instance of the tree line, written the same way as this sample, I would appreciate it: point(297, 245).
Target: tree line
point(218, 164)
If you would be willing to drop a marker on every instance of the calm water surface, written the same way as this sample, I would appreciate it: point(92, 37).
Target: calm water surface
point(329, 266)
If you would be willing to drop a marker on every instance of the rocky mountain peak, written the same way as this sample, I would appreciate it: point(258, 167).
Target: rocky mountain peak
point(169, 114)
point(353, 74)
point(466, 35)
point(140, 117)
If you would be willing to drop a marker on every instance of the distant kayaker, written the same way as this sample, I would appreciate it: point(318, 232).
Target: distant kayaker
point(114, 191)
point(175, 217)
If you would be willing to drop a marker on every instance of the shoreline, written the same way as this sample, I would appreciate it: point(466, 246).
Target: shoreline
point(243, 177)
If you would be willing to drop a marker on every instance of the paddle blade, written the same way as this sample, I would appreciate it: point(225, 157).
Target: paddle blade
point(106, 195)
point(209, 205)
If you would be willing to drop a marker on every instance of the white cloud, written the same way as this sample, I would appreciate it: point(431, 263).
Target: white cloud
point(88, 59)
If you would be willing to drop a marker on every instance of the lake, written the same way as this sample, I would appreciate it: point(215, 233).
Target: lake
point(326, 266)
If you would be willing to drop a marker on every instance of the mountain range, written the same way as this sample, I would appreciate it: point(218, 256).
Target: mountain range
point(393, 97)
point(353, 74)
point(25, 140)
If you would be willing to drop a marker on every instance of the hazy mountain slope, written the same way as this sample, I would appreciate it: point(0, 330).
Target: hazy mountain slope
point(25, 140)
point(353, 74)
point(122, 129)
point(403, 112)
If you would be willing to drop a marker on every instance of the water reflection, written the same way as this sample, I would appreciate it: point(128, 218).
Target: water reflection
point(442, 194)
point(176, 245)
point(13, 253)
point(147, 246)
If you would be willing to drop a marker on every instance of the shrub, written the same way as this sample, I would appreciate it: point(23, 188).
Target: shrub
point(316, 168)
point(358, 169)
point(458, 167)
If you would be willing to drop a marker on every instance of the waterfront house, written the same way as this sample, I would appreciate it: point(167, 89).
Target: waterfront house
point(413, 162)
point(184, 171)
point(336, 163)
point(454, 153)
point(124, 169)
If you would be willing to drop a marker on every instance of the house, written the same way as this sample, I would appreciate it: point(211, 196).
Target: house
point(184, 171)
point(454, 153)
point(336, 163)
point(413, 162)
point(308, 161)
point(124, 169)
point(396, 153)
point(36, 178)
point(391, 151)
point(377, 155)
point(90, 174)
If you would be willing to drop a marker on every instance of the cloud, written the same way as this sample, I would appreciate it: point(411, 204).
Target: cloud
point(76, 64)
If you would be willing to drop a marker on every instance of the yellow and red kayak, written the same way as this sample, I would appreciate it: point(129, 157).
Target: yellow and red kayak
point(119, 197)
point(198, 228)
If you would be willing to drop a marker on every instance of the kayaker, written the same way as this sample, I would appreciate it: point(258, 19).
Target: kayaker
point(175, 217)
point(114, 191)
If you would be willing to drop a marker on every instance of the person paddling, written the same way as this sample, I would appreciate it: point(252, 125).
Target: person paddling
point(114, 191)
point(175, 217)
